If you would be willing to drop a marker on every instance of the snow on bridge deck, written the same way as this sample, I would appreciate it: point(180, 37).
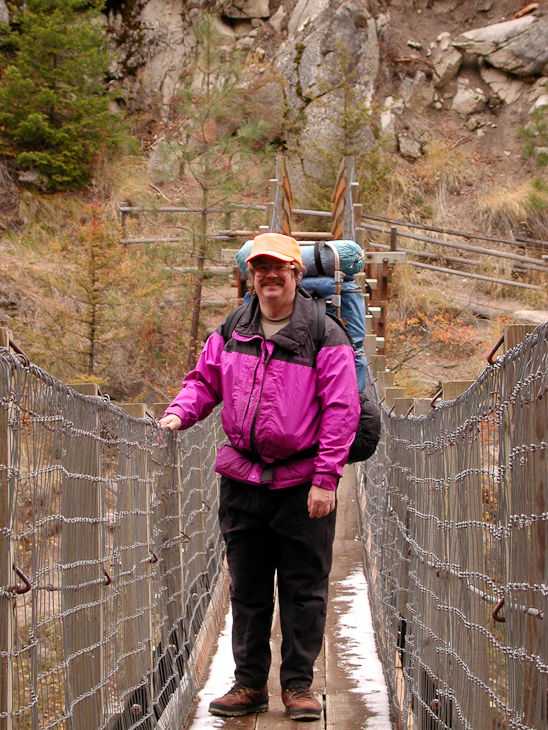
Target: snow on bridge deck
point(348, 672)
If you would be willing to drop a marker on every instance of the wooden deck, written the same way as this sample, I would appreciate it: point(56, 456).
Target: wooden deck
point(349, 704)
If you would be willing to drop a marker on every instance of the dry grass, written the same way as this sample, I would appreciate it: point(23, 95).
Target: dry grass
point(430, 339)
point(505, 208)
point(417, 291)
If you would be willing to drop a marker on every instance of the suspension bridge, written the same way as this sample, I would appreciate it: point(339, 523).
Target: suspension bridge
point(113, 584)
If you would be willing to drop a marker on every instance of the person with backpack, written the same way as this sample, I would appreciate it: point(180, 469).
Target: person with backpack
point(291, 411)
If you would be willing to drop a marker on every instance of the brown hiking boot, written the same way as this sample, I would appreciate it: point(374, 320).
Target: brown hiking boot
point(300, 704)
point(240, 700)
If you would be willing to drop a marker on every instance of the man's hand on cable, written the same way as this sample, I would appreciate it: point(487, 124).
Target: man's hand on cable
point(171, 422)
point(320, 501)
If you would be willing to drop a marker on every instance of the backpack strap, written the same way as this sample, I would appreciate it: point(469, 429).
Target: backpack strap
point(231, 321)
point(318, 246)
point(318, 323)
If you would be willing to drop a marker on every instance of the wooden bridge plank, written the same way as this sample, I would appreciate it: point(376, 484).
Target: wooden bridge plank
point(344, 708)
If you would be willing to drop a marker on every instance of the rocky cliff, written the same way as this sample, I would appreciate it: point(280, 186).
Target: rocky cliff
point(471, 71)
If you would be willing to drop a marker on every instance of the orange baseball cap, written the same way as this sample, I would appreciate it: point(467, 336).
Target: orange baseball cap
point(276, 245)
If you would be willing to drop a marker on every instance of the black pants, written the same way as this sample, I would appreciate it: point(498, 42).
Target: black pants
point(268, 531)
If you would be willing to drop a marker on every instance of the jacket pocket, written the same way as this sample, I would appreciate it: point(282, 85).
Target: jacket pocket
point(234, 465)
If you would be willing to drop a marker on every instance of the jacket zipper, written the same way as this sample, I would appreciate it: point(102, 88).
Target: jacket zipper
point(248, 405)
point(252, 437)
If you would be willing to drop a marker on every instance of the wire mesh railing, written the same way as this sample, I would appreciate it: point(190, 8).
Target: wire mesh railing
point(454, 514)
point(112, 577)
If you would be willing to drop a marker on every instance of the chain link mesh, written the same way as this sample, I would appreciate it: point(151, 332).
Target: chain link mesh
point(111, 561)
point(454, 514)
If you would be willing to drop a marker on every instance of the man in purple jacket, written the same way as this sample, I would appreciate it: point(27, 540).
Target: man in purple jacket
point(290, 414)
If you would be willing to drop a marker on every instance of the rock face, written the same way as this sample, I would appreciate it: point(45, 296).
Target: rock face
point(303, 56)
point(339, 48)
point(304, 12)
point(311, 61)
point(165, 43)
point(4, 15)
point(518, 46)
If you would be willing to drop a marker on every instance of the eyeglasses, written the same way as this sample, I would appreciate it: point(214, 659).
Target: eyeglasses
point(281, 270)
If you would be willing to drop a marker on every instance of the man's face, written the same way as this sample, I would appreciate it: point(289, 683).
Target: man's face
point(274, 282)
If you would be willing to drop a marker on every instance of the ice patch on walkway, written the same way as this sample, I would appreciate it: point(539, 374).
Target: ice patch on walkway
point(358, 652)
point(219, 681)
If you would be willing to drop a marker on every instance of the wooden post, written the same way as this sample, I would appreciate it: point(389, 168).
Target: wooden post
point(171, 554)
point(81, 553)
point(393, 238)
point(123, 215)
point(135, 410)
point(378, 364)
point(284, 190)
point(357, 209)
point(385, 380)
point(135, 568)
point(453, 388)
point(514, 334)
point(402, 406)
point(370, 346)
point(422, 406)
point(6, 551)
point(270, 207)
point(391, 393)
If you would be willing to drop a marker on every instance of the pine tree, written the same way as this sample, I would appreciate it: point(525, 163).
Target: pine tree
point(223, 146)
point(54, 100)
point(84, 293)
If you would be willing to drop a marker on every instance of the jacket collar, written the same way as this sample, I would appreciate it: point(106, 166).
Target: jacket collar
point(294, 334)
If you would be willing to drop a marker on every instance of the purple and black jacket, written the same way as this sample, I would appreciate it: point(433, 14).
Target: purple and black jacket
point(290, 414)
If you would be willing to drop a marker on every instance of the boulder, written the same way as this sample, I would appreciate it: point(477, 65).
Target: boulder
point(468, 100)
point(417, 92)
point(388, 129)
point(321, 131)
point(445, 60)
point(246, 9)
point(410, 147)
point(30, 177)
point(278, 19)
point(507, 88)
point(517, 46)
point(541, 101)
